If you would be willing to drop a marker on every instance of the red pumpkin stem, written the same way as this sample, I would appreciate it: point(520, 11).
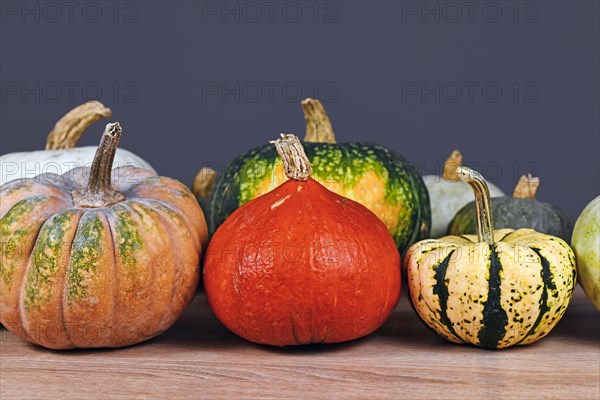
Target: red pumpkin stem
point(295, 163)
point(69, 129)
point(318, 125)
point(526, 187)
point(99, 191)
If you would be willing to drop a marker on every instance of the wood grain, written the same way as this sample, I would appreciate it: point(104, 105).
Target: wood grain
point(199, 358)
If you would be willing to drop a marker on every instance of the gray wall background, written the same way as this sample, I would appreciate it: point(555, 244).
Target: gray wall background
point(513, 85)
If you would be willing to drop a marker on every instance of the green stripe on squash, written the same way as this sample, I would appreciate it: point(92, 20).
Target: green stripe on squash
point(441, 290)
point(494, 316)
point(45, 259)
point(549, 283)
point(13, 231)
point(86, 252)
point(128, 239)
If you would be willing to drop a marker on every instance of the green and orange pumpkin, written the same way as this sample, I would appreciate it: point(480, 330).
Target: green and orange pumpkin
point(378, 178)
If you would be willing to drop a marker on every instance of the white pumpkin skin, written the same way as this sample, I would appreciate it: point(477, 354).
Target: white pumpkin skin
point(30, 164)
point(447, 198)
point(61, 155)
point(586, 243)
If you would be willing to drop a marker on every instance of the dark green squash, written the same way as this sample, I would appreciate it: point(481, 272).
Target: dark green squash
point(520, 211)
point(378, 178)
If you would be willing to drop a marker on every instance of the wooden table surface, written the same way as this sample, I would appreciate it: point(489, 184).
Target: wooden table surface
point(199, 358)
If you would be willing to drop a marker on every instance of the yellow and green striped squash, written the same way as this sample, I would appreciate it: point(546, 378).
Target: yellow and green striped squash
point(506, 287)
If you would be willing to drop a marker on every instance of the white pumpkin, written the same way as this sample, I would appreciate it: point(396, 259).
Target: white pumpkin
point(61, 155)
point(448, 195)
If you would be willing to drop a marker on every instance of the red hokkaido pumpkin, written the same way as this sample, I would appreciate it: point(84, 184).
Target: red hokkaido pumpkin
point(302, 264)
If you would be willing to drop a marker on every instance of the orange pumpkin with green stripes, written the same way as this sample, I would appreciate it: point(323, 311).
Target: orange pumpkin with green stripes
point(372, 175)
point(498, 289)
point(97, 257)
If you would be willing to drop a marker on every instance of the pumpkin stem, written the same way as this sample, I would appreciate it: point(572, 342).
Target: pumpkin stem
point(485, 226)
point(452, 162)
point(295, 163)
point(318, 125)
point(68, 130)
point(204, 182)
point(99, 191)
point(526, 187)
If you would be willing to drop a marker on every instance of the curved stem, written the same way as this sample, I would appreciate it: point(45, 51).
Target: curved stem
point(526, 187)
point(204, 182)
point(318, 125)
point(452, 162)
point(485, 226)
point(99, 191)
point(68, 130)
point(295, 163)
